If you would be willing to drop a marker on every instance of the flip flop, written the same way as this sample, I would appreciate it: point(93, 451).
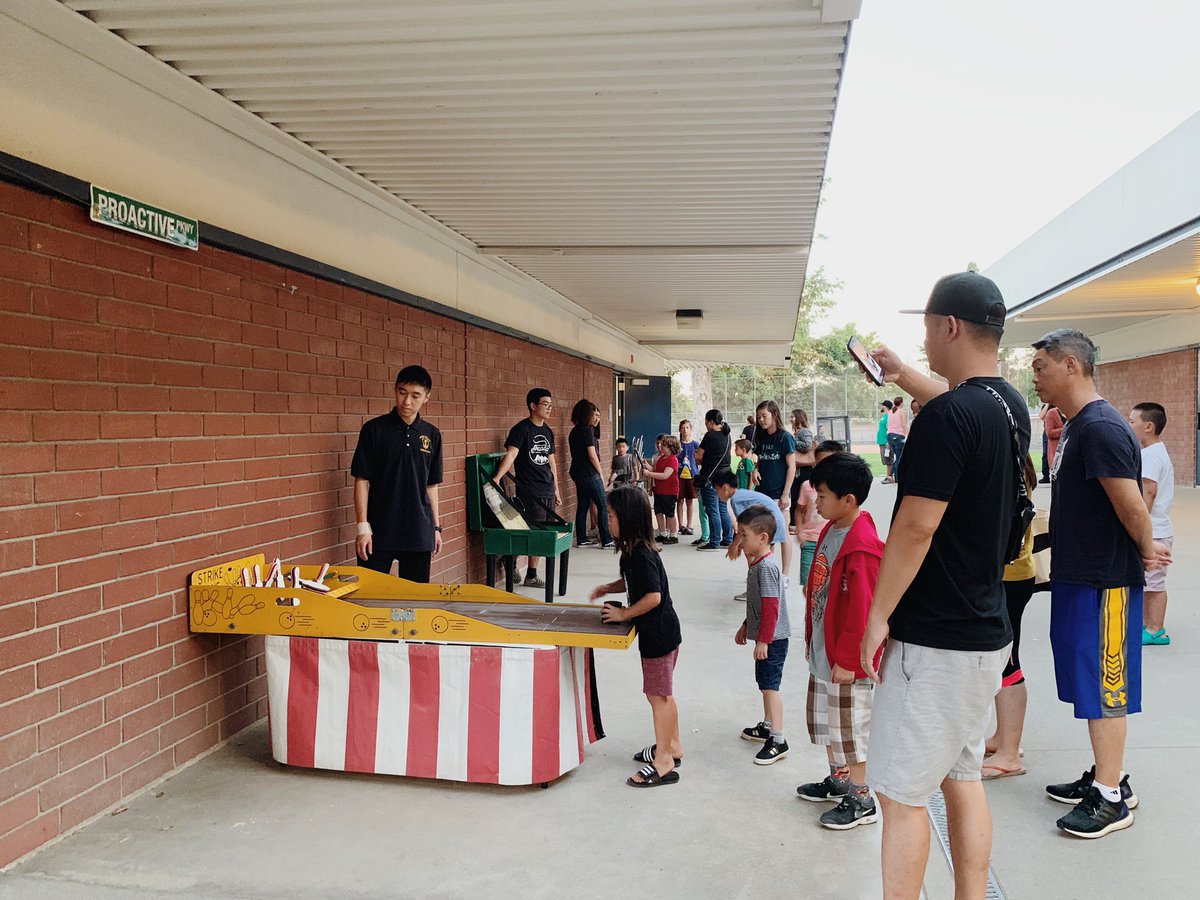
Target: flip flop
point(1000, 772)
point(988, 751)
point(651, 778)
point(646, 755)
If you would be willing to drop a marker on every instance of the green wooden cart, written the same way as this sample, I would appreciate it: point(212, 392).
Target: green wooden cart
point(513, 537)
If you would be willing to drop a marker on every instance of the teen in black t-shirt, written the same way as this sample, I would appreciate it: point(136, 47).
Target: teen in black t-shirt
point(644, 579)
point(530, 457)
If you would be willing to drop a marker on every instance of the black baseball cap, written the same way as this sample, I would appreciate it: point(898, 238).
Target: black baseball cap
point(968, 296)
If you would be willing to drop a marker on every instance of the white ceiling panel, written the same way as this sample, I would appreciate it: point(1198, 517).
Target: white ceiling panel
point(637, 156)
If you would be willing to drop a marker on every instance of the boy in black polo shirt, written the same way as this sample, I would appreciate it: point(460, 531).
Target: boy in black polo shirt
point(397, 468)
point(530, 457)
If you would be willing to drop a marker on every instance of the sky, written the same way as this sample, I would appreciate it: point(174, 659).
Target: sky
point(963, 127)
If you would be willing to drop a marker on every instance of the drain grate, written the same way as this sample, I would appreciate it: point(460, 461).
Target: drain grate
point(937, 817)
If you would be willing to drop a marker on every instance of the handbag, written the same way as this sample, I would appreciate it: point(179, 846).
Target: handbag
point(702, 480)
point(1023, 511)
point(1041, 550)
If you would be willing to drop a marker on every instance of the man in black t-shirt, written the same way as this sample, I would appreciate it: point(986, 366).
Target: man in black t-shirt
point(940, 594)
point(530, 457)
point(397, 468)
point(1101, 540)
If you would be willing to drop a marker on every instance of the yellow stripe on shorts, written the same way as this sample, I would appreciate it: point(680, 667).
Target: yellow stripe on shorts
point(1114, 616)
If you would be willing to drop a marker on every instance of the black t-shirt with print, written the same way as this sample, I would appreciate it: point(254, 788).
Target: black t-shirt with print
point(535, 447)
point(1088, 543)
point(773, 451)
point(960, 451)
point(400, 461)
point(658, 630)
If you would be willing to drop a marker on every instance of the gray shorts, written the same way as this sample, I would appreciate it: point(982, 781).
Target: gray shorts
point(929, 719)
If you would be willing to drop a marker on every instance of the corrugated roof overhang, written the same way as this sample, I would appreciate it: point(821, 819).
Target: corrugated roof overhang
point(635, 157)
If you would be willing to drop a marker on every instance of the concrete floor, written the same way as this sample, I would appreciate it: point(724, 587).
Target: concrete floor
point(236, 825)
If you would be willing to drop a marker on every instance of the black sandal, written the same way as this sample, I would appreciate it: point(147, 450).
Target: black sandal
point(646, 755)
point(651, 778)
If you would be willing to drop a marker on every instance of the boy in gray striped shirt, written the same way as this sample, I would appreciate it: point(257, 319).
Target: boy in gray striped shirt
point(767, 622)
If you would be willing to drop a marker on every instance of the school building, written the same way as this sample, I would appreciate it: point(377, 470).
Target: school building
point(223, 229)
point(1123, 266)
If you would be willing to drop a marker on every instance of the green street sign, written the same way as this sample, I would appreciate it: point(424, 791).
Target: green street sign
point(134, 216)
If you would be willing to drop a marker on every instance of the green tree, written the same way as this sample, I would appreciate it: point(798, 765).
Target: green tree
point(820, 374)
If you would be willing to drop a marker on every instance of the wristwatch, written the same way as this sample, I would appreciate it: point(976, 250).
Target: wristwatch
point(437, 528)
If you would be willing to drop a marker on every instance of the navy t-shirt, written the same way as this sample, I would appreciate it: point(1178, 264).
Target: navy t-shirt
point(535, 448)
point(658, 630)
point(773, 450)
point(1088, 543)
point(960, 451)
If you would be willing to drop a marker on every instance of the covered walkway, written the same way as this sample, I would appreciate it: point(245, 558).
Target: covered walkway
point(236, 825)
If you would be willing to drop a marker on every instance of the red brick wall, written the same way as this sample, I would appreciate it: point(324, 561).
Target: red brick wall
point(1169, 379)
point(162, 410)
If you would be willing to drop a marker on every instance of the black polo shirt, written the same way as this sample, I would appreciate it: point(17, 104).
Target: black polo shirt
point(399, 461)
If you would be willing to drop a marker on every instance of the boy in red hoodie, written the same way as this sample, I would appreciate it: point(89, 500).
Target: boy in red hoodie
point(841, 584)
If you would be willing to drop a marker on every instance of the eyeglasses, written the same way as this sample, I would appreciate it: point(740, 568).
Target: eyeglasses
point(549, 404)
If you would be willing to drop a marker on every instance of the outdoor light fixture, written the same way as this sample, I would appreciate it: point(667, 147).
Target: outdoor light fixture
point(689, 319)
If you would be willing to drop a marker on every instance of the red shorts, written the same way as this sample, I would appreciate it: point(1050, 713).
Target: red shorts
point(687, 488)
point(658, 674)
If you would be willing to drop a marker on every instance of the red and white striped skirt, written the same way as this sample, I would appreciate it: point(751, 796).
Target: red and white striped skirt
point(496, 715)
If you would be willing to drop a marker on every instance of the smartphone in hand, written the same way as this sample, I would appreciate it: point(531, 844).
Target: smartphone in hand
point(865, 360)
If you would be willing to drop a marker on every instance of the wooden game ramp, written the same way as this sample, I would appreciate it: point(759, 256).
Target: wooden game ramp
point(367, 605)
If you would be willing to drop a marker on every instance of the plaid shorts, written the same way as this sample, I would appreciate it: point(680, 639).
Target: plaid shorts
point(839, 717)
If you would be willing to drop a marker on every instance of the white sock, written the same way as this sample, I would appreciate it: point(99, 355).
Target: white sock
point(1111, 794)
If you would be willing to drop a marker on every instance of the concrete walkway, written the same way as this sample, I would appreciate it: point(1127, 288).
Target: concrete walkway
point(236, 825)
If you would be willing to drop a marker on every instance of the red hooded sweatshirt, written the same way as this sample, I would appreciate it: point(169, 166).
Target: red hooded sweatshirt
point(852, 579)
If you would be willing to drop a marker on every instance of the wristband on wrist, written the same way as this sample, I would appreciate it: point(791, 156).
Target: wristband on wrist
point(364, 529)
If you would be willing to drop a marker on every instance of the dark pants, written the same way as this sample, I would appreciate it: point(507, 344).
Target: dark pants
point(1045, 456)
point(896, 445)
point(589, 490)
point(411, 565)
point(720, 530)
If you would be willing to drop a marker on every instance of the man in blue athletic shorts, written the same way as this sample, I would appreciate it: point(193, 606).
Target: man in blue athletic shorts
point(1101, 537)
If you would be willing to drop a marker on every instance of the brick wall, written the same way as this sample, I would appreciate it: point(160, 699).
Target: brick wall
point(1169, 379)
point(162, 410)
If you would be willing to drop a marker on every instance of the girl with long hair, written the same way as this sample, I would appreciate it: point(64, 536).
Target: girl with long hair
point(776, 468)
point(586, 473)
point(644, 579)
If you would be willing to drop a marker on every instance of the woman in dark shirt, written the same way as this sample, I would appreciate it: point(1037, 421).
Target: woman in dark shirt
point(587, 474)
point(713, 453)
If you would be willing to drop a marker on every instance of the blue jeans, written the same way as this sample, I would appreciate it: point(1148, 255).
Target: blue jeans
point(896, 443)
point(769, 672)
point(720, 530)
point(589, 490)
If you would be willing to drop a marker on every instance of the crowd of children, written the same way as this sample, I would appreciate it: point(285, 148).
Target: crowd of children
point(840, 554)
